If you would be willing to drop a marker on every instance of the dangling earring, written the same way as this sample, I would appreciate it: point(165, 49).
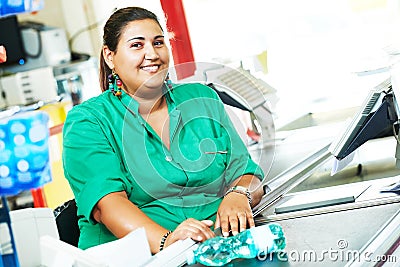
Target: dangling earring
point(168, 82)
point(114, 84)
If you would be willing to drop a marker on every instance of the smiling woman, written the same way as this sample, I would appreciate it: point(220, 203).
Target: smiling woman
point(150, 149)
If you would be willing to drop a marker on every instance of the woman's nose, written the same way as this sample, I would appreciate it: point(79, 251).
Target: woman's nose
point(151, 53)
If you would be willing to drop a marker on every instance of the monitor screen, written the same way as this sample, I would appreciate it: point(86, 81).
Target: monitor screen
point(10, 38)
point(374, 119)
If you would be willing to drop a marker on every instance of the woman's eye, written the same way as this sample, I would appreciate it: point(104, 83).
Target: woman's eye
point(136, 45)
point(158, 43)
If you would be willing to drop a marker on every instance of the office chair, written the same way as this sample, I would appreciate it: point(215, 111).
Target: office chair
point(67, 222)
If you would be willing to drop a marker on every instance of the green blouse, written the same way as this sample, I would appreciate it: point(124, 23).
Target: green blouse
point(109, 147)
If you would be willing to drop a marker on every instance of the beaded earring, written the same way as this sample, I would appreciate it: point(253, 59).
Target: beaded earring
point(168, 82)
point(114, 84)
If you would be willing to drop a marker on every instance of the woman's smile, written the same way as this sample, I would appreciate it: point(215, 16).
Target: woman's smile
point(151, 68)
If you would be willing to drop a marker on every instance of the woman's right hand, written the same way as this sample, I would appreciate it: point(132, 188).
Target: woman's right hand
point(191, 228)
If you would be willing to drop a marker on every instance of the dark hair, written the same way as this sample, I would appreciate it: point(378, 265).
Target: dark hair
point(113, 29)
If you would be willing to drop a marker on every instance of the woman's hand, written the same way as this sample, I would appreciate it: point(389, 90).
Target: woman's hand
point(191, 228)
point(235, 214)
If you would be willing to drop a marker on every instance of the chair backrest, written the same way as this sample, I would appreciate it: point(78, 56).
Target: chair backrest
point(67, 222)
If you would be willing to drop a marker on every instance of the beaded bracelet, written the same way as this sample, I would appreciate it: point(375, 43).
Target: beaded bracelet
point(163, 239)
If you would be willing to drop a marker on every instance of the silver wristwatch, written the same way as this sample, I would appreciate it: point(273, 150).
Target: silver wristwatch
point(241, 190)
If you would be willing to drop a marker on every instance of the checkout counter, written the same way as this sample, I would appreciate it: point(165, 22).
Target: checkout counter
point(352, 232)
point(335, 225)
point(344, 219)
point(340, 219)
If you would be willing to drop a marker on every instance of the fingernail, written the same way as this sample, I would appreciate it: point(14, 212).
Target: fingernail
point(235, 232)
point(225, 234)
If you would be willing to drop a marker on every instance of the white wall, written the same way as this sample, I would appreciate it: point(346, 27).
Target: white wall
point(51, 14)
point(314, 47)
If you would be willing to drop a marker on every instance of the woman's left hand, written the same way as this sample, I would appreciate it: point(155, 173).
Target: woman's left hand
point(234, 214)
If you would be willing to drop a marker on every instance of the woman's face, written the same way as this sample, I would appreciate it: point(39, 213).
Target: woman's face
point(141, 59)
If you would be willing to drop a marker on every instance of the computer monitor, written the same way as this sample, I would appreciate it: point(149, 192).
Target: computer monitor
point(10, 38)
point(376, 118)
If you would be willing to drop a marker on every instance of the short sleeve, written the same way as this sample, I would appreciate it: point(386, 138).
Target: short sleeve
point(90, 163)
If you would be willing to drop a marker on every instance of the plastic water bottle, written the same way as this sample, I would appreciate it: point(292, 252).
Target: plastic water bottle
point(250, 243)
